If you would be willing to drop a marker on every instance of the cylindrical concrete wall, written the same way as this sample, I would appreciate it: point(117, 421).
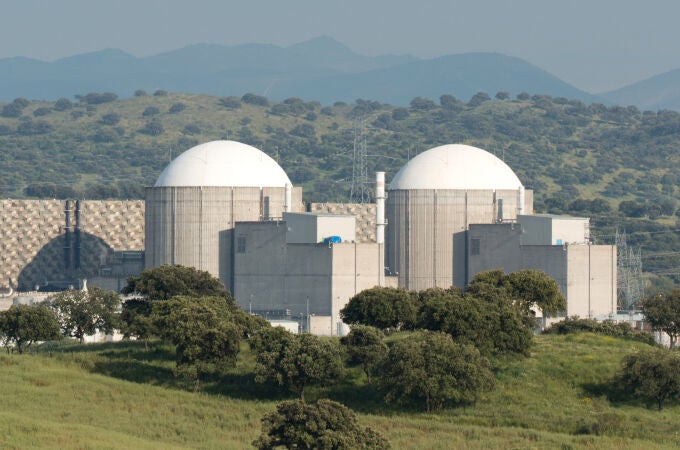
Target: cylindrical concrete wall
point(426, 231)
point(192, 226)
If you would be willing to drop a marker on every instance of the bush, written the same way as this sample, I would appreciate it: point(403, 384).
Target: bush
point(431, 367)
point(573, 325)
point(324, 425)
point(253, 99)
point(94, 98)
point(191, 129)
point(176, 108)
point(230, 102)
point(42, 112)
point(150, 111)
point(63, 104)
point(110, 119)
point(152, 128)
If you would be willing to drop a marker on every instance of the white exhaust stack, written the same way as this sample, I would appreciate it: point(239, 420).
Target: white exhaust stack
point(380, 207)
point(289, 198)
point(520, 206)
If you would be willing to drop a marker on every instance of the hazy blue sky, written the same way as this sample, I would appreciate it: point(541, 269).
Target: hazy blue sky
point(596, 45)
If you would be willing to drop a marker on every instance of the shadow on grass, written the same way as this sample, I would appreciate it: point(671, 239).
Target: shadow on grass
point(242, 386)
point(137, 372)
point(616, 395)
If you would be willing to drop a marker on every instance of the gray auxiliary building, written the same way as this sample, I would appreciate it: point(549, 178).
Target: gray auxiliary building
point(192, 209)
point(557, 245)
point(432, 201)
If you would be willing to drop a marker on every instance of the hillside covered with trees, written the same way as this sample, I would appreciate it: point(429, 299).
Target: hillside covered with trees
point(617, 165)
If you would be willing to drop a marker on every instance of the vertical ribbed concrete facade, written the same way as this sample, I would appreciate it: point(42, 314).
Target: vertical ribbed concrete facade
point(430, 204)
point(193, 226)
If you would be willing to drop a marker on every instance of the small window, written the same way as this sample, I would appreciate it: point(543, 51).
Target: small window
point(241, 244)
point(474, 246)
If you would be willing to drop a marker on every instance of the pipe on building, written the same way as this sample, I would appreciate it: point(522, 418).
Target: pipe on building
point(380, 207)
point(67, 235)
point(289, 198)
point(76, 256)
point(520, 203)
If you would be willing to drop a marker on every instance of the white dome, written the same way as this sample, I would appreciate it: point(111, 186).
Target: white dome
point(223, 163)
point(455, 166)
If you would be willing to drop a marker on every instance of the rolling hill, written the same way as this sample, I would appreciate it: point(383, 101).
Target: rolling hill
point(655, 93)
point(121, 396)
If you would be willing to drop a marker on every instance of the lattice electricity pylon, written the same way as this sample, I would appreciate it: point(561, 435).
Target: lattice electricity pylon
point(630, 287)
point(359, 191)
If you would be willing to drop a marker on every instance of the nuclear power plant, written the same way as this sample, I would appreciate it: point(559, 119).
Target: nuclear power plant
point(230, 209)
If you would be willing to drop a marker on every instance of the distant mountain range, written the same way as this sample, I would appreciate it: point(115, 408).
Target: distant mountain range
point(655, 93)
point(319, 69)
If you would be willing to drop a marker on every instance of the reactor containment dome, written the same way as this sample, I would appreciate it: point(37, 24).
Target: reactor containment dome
point(192, 209)
point(455, 166)
point(432, 201)
point(223, 163)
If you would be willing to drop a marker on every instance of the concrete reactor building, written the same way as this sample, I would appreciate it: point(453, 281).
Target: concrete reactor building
point(431, 203)
point(192, 209)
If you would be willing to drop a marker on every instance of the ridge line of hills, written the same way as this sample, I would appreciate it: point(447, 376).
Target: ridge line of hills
point(319, 69)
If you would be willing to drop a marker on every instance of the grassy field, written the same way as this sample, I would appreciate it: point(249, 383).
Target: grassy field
point(121, 396)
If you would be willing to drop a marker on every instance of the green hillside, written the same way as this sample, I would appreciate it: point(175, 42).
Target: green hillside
point(618, 165)
point(120, 396)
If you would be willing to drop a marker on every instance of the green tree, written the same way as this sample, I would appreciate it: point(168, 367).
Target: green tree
point(63, 104)
point(150, 111)
point(526, 288)
point(22, 325)
point(167, 281)
point(652, 374)
point(323, 425)
point(381, 307)
point(136, 321)
point(489, 320)
point(662, 311)
point(230, 102)
point(430, 366)
point(253, 99)
point(423, 104)
point(534, 287)
point(296, 360)
point(82, 313)
point(202, 329)
point(365, 347)
point(177, 108)
point(478, 99)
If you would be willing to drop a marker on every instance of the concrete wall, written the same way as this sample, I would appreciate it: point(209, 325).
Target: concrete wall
point(192, 226)
point(356, 266)
point(273, 276)
point(33, 239)
point(312, 228)
point(591, 288)
point(546, 229)
point(425, 236)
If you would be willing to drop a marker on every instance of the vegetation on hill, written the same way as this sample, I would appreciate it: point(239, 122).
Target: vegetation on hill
point(617, 165)
point(119, 395)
